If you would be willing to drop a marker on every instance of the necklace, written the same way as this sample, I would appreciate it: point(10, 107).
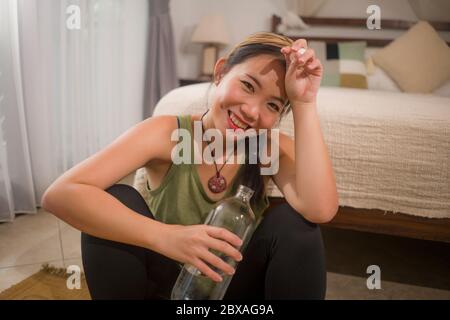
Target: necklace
point(216, 183)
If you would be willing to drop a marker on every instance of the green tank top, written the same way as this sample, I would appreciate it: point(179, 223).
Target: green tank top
point(181, 199)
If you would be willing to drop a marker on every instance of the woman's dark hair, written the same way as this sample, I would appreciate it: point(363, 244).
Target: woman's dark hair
point(257, 44)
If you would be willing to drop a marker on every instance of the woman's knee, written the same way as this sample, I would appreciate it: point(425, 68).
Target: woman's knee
point(297, 247)
point(285, 222)
point(131, 198)
point(107, 261)
point(288, 230)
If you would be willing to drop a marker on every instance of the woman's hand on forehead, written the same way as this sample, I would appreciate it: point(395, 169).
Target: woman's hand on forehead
point(304, 73)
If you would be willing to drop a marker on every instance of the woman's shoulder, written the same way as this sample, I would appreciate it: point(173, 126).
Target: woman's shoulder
point(162, 128)
point(174, 121)
point(168, 121)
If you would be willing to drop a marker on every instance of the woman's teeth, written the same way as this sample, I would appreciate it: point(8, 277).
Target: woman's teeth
point(237, 122)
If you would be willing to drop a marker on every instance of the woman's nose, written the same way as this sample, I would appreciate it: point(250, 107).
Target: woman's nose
point(250, 112)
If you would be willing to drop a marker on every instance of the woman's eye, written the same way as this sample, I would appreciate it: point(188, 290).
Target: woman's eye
point(248, 85)
point(274, 107)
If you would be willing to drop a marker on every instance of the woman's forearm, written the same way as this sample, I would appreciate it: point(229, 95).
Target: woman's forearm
point(96, 212)
point(315, 179)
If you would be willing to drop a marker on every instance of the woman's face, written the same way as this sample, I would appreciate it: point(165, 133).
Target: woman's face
point(250, 95)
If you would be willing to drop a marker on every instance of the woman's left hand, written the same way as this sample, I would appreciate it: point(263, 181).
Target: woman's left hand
point(304, 73)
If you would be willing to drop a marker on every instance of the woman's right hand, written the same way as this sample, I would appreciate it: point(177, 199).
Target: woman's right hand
point(191, 244)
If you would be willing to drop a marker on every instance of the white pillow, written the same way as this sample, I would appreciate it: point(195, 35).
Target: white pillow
point(370, 51)
point(185, 100)
point(380, 80)
point(377, 79)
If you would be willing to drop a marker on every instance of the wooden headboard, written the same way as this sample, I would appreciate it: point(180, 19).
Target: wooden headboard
point(361, 23)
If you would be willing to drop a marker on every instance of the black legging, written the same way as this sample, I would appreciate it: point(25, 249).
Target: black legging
point(283, 260)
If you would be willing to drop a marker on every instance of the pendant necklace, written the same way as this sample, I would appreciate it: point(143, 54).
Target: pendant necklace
point(216, 183)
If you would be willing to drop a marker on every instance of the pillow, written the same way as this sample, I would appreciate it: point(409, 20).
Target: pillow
point(444, 90)
point(418, 60)
point(343, 63)
point(377, 79)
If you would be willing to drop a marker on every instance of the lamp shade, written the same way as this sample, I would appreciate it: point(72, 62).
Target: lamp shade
point(211, 29)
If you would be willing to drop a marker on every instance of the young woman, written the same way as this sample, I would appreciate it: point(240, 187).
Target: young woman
point(133, 247)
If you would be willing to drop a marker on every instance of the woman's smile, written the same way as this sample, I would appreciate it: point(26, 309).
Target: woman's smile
point(235, 122)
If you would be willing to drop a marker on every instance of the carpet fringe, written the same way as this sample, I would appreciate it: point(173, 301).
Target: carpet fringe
point(61, 272)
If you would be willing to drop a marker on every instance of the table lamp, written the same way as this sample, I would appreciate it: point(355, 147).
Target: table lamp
point(212, 32)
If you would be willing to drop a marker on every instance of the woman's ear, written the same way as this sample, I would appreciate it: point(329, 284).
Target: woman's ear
point(219, 70)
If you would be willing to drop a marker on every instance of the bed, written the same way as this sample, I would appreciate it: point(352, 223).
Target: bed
point(390, 152)
point(386, 182)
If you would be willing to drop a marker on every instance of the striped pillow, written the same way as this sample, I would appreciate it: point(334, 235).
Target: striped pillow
point(343, 63)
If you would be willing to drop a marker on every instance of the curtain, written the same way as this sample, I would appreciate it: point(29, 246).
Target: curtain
point(16, 183)
point(67, 93)
point(161, 74)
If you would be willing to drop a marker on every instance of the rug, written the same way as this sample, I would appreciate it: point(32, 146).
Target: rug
point(47, 284)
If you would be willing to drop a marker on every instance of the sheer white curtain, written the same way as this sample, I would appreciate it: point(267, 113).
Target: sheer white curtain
point(16, 184)
point(66, 93)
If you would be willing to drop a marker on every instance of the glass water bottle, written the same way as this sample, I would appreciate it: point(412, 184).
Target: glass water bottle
point(234, 214)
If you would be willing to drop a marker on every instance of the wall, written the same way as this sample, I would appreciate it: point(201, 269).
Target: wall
point(243, 17)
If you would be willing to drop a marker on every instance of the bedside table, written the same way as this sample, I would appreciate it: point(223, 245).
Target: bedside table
point(186, 82)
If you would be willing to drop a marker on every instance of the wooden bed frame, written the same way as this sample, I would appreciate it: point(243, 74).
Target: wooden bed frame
point(373, 220)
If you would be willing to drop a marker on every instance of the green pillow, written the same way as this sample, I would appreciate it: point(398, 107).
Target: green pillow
point(343, 63)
